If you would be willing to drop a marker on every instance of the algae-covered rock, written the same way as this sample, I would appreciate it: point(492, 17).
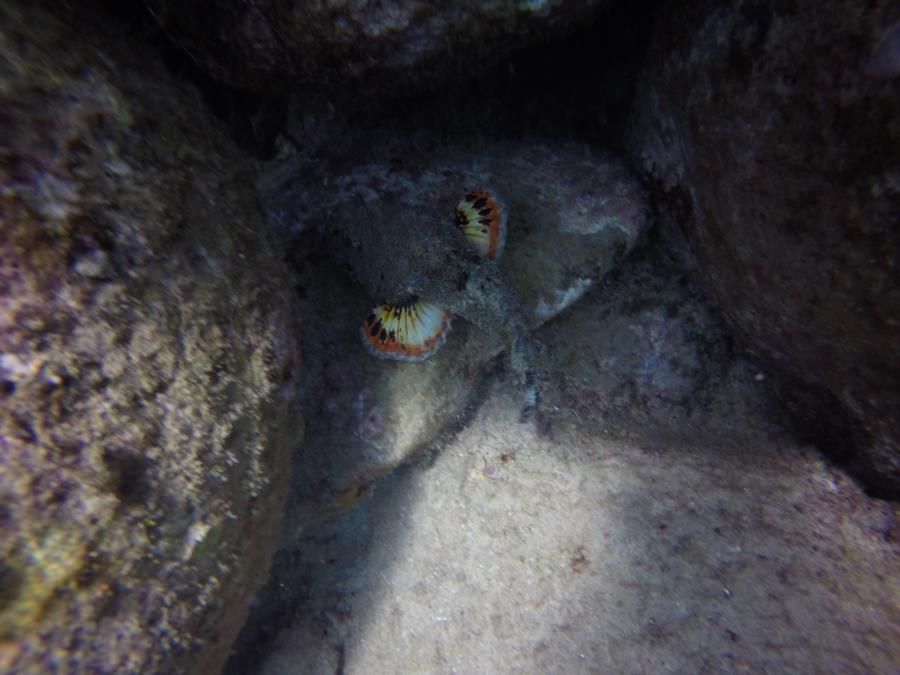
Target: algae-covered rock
point(574, 213)
point(147, 355)
point(772, 131)
point(393, 45)
point(666, 524)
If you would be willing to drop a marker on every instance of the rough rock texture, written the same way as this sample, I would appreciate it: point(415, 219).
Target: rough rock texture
point(147, 357)
point(664, 524)
point(392, 45)
point(772, 131)
point(648, 357)
point(573, 215)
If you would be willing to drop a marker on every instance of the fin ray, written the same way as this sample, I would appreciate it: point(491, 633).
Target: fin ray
point(406, 331)
point(481, 217)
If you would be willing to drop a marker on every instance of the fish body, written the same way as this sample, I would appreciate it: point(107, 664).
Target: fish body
point(424, 268)
point(404, 215)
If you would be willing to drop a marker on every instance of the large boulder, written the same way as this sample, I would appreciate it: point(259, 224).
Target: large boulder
point(147, 359)
point(666, 524)
point(772, 133)
point(386, 46)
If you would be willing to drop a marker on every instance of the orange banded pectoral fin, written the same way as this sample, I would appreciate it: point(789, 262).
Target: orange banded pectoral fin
point(481, 217)
point(406, 331)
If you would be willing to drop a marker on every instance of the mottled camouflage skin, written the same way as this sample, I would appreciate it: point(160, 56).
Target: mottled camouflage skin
point(396, 250)
point(386, 204)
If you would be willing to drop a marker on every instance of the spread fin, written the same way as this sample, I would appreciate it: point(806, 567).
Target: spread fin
point(406, 331)
point(482, 218)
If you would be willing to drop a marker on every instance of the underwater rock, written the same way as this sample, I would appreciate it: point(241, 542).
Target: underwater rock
point(772, 132)
point(147, 362)
point(666, 524)
point(573, 214)
point(385, 46)
point(648, 354)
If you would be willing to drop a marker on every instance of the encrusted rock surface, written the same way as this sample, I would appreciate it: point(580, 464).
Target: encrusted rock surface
point(382, 45)
point(147, 362)
point(772, 132)
point(663, 523)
